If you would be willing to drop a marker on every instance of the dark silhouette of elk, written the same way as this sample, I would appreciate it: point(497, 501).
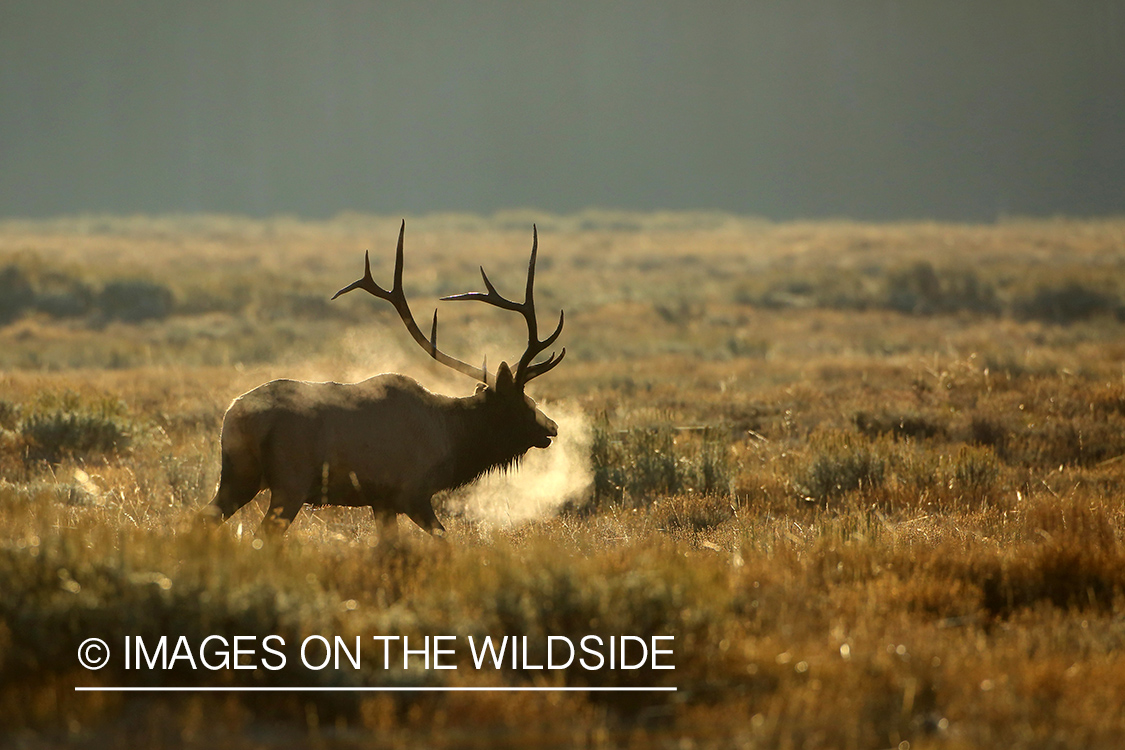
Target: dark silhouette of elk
point(385, 442)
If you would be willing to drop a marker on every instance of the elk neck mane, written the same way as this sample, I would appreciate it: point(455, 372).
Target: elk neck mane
point(482, 444)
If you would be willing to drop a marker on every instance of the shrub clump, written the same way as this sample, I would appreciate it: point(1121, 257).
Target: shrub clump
point(922, 290)
point(898, 425)
point(65, 427)
point(841, 464)
point(642, 463)
point(1070, 303)
point(135, 301)
point(16, 293)
point(918, 289)
point(9, 415)
point(26, 288)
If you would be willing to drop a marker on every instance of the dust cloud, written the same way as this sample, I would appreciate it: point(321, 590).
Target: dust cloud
point(544, 481)
point(372, 350)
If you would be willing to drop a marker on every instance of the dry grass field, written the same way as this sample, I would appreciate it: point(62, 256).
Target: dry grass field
point(868, 477)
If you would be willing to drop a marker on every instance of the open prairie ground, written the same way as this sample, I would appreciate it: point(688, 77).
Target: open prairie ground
point(869, 478)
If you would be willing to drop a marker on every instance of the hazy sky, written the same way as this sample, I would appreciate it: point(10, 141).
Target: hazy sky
point(789, 109)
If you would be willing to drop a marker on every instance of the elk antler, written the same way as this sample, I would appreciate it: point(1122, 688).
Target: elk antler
point(398, 298)
point(525, 371)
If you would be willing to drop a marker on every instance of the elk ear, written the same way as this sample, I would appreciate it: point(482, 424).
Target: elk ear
point(504, 379)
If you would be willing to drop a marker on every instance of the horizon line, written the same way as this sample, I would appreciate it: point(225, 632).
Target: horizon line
point(365, 689)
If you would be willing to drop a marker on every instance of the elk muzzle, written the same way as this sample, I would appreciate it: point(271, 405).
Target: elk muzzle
point(550, 430)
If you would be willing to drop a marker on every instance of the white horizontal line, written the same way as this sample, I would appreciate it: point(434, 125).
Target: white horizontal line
point(389, 689)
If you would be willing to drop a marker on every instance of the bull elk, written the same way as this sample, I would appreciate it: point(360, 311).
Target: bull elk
point(385, 442)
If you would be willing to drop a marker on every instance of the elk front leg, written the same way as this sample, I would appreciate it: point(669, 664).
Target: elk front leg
point(386, 523)
point(239, 482)
point(289, 489)
point(279, 516)
point(420, 510)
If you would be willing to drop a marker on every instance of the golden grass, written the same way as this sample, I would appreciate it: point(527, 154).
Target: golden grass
point(863, 525)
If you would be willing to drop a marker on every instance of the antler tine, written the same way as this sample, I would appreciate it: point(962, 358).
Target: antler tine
point(397, 297)
point(534, 371)
point(491, 297)
point(558, 329)
point(491, 289)
point(528, 295)
point(398, 262)
point(525, 371)
point(433, 336)
point(366, 283)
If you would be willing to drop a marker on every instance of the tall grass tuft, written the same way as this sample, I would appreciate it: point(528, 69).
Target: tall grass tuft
point(975, 475)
